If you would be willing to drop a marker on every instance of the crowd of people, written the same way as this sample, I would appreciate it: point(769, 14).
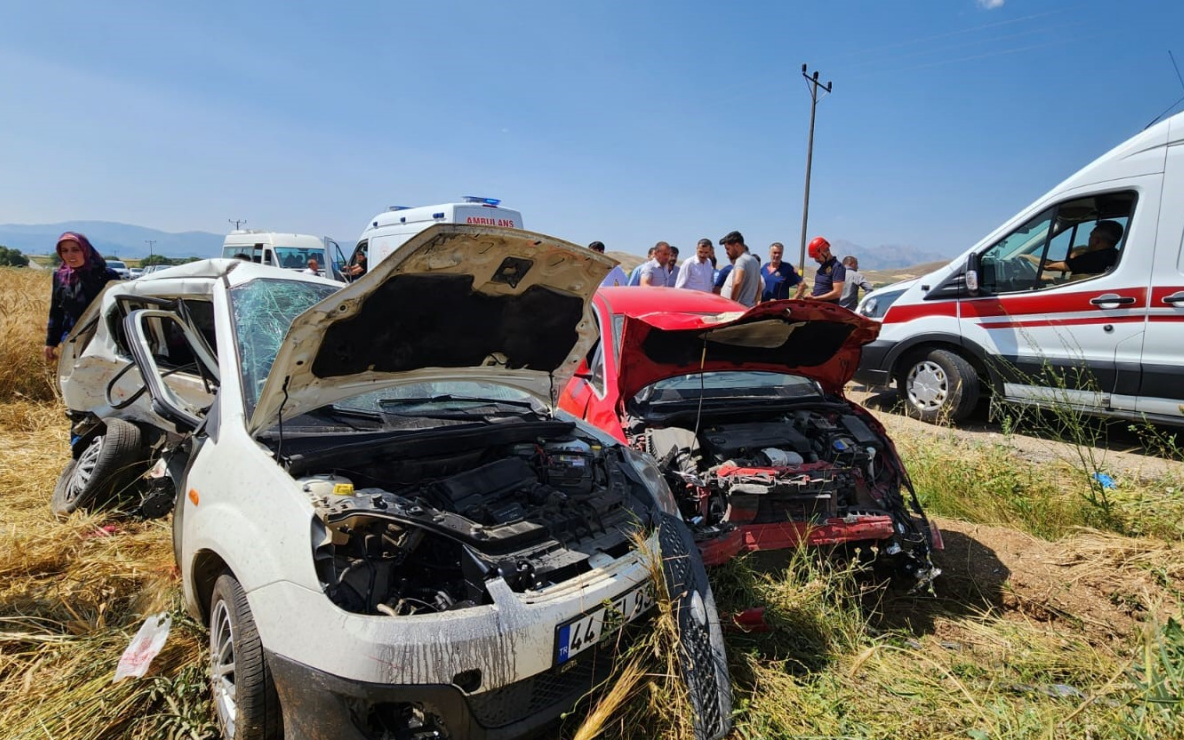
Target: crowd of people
point(83, 273)
point(743, 278)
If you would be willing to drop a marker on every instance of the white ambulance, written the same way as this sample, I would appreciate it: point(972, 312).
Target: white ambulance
point(291, 251)
point(1076, 301)
point(387, 231)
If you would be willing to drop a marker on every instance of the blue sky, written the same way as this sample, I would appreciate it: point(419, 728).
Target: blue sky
point(622, 121)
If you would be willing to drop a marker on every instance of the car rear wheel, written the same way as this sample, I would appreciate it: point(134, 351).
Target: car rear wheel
point(111, 460)
point(939, 386)
point(245, 698)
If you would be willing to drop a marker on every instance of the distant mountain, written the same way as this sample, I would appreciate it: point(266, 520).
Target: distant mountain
point(886, 256)
point(112, 239)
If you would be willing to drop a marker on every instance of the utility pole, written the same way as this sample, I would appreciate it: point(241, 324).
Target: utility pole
point(150, 243)
point(236, 222)
point(813, 84)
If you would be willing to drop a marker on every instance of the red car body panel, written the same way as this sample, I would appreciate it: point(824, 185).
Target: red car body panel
point(650, 334)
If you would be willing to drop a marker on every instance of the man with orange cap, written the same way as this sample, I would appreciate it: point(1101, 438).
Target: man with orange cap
point(828, 279)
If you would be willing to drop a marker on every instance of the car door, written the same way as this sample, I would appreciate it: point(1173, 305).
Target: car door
point(1057, 337)
point(1161, 394)
point(590, 395)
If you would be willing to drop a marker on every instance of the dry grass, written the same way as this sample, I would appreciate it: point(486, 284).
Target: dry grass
point(24, 311)
point(72, 594)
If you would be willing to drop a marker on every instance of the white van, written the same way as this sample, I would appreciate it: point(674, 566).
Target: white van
point(387, 231)
point(1049, 308)
point(291, 251)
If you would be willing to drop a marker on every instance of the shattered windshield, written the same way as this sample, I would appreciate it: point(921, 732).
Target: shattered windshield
point(729, 386)
point(263, 311)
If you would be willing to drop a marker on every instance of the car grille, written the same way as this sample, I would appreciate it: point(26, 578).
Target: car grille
point(554, 689)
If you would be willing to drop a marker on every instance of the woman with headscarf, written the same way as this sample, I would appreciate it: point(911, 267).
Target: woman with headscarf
point(76, 283)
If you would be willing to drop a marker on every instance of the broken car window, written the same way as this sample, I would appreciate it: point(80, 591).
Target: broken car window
point(263, 311)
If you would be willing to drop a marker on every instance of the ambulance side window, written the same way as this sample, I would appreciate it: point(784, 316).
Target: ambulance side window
point(1074, 240)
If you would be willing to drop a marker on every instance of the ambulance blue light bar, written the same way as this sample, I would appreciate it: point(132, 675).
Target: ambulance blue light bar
point(491, 202)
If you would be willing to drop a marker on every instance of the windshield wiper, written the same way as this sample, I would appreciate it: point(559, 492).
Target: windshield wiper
point(448, 397)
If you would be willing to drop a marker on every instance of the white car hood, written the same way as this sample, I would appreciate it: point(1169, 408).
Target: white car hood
point(453, 303)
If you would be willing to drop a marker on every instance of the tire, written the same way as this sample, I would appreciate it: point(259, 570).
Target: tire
point(245, 699)
point(112, 460)
point(938, 387)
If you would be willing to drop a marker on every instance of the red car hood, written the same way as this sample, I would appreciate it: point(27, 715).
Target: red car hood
point(815, 340)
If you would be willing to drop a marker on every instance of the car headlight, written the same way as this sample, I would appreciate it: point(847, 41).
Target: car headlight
point(648, 471)
point(868, 307)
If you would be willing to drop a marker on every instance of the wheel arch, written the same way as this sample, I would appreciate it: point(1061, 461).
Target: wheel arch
point(207, 566)
point(922, 344)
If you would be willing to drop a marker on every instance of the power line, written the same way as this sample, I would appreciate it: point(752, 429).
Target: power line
point(150, 243)
point(236, 222)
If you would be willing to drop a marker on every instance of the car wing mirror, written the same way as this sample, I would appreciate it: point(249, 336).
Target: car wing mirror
point(972, 273)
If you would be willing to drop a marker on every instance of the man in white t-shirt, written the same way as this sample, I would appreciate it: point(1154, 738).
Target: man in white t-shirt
point(314, 267)
point(697, 273)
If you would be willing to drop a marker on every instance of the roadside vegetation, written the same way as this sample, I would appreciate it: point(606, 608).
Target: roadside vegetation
point(1055, 617)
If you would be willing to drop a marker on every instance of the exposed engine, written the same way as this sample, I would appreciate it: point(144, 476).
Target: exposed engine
point(405, 535)
point(813, 467)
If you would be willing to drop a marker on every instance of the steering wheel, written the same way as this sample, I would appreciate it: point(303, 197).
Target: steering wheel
point(1019, 270)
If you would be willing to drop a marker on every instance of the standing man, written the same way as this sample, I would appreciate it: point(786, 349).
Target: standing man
point(743, 284)
point(779, 276)
point(855, 280)
point(828, 280)
point(314, 267)
point(635, 274)
point(654, 273)
point(615, 276)
point(672, 265)
point(697, 273)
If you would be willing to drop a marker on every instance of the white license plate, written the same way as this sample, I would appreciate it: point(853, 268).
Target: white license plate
point(583, 632)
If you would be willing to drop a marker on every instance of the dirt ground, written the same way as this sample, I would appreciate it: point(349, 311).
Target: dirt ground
point(1101, 587)
point(1088, 584)
point(1123, 452)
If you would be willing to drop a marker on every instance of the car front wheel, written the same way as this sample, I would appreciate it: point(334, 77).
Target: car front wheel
point(244, 693)
point(111, 460)
point(940, 386)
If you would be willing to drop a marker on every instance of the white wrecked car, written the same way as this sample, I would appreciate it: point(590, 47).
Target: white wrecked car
point(385, 523)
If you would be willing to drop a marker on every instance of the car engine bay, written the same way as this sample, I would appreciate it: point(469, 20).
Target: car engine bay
point(813, 466)
point(409, 534)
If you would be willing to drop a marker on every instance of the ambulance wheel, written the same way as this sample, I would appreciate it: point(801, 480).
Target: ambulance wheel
point(938, 387)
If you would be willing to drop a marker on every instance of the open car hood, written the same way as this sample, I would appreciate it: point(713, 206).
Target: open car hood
point(454, 303)
point(815, 340)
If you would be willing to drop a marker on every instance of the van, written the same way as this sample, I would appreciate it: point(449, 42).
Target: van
point(291, 251)
point(390, 229)
point(1075, 302)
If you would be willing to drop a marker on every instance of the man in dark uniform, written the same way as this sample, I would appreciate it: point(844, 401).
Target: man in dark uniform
point(1099, 255)
point(829, 278)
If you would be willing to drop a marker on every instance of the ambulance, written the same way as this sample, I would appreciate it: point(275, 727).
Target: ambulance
point(1075, 302)
point(390, 229)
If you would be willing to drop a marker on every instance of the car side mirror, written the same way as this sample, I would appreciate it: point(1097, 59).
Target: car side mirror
point(971, 275)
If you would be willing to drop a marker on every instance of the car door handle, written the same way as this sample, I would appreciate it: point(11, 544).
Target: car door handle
point(1112, 298)
point(1174, 299)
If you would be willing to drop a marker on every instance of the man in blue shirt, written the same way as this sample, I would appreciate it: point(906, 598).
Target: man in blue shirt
point(779, 276)
point(635, 273)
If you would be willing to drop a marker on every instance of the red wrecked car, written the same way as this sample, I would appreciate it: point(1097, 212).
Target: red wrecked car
point(745, 413)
